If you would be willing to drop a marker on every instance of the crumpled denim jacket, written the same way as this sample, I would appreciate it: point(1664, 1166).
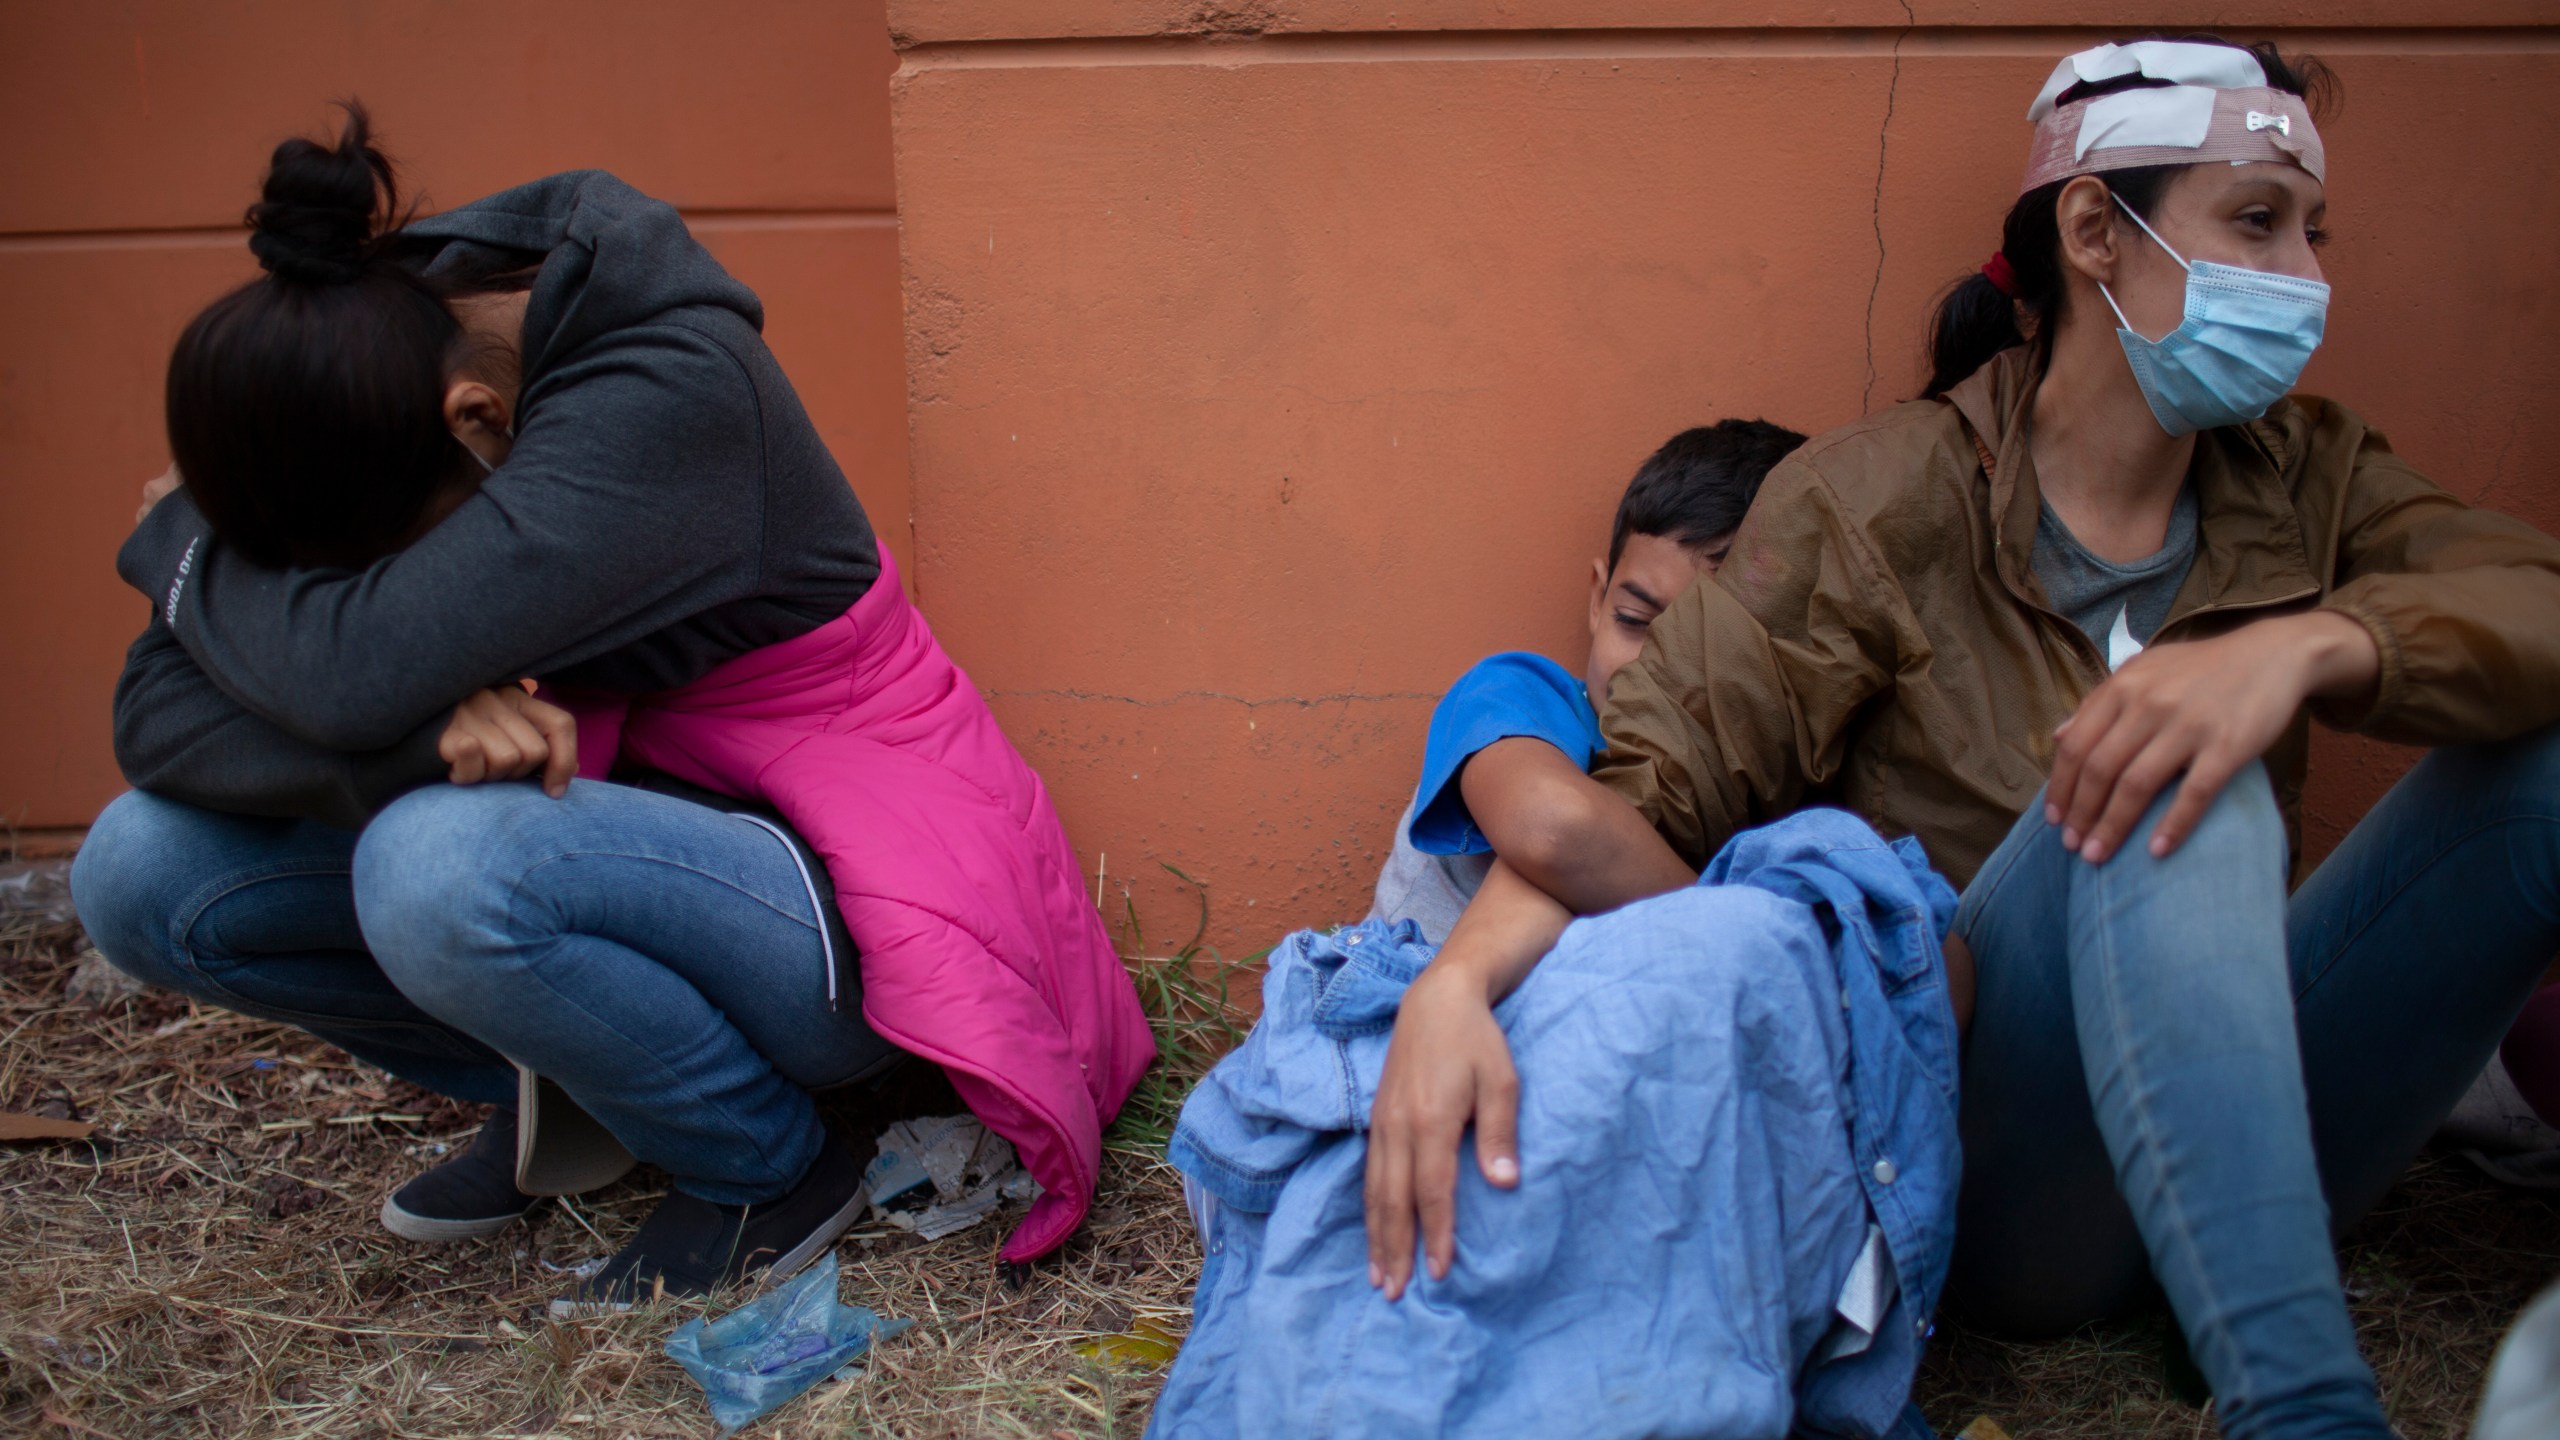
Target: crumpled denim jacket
point(1729, 1095)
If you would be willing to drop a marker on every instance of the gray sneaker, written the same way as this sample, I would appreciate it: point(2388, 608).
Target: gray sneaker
point(472, 1194)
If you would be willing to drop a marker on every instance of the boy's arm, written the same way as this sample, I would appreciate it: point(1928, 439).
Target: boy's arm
point(1564, 832)
point(1448, 1065)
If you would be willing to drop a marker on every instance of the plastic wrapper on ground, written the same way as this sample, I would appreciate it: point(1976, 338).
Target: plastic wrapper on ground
point(771, 1349)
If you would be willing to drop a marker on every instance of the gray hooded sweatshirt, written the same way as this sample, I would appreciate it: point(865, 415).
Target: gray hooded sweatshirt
point(667, 506)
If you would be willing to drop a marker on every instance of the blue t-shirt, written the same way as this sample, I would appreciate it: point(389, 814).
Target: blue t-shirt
point(1440, 857)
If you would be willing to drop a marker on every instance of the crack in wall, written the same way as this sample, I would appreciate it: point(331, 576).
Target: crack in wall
point(1884, 145)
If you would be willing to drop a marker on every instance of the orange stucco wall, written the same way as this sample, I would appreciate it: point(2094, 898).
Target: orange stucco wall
point(1264, 361)
point(132, 135)
point(1272, 361)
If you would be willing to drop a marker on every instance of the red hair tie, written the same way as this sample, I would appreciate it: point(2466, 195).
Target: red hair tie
point(2002, 277)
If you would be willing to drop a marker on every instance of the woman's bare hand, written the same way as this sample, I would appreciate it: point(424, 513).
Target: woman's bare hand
point(157, 489)
point(1448, 1066)
point(506, 734)
point(2200, 709)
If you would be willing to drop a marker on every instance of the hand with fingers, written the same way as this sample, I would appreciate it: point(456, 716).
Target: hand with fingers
point(2192, 713)
point(1448, 1067)
point(507, 734)
point(157, 489)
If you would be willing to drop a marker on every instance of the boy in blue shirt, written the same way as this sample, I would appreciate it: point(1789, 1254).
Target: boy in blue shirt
point(1503, 767)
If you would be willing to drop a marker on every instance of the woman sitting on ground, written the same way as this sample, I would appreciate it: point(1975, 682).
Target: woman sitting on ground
point(2063, 619)
point(541, 437)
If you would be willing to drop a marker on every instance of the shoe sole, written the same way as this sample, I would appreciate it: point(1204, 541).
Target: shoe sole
point(427, 1229)
point(791, 1262)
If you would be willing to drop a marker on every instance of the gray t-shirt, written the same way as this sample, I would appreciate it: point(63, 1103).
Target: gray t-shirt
point(2119, 607)
point(1429, 890)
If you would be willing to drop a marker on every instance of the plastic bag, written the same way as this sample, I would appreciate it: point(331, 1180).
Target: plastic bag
point(769, 1350)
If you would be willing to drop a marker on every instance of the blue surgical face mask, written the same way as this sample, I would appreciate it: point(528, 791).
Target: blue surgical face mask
point(2241, 348)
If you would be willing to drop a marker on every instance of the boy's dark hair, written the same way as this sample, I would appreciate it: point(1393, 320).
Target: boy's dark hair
point(1697, 486)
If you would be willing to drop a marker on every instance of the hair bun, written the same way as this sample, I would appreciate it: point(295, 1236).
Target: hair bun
point(321, 208)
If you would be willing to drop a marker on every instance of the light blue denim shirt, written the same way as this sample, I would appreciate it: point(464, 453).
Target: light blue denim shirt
point(1737, 1131)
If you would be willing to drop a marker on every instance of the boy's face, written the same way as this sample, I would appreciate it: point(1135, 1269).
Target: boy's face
point(1652, 571)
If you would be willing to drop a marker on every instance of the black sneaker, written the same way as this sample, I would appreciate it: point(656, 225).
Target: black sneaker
point(692, 1247)
point(470, 1195)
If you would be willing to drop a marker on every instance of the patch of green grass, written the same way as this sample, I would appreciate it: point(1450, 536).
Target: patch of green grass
point(1190, 1000)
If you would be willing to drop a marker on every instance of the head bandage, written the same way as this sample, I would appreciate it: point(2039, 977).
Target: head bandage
point(2215, 104)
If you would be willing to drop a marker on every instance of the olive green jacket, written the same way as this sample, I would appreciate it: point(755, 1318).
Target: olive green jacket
point(1877, 638)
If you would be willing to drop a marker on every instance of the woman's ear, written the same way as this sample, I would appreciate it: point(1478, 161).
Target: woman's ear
point(2085, 217)
point(479, 417)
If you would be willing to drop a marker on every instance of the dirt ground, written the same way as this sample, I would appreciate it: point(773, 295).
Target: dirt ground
point(211, 1266)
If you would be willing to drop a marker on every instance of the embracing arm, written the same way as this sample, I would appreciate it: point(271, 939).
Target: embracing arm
point(178, 735)
point(1720, 719)
point(1564, 832)
point(633, 497)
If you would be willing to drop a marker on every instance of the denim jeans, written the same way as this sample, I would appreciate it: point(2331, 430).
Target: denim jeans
point(2176, 1072)
point(660, 959)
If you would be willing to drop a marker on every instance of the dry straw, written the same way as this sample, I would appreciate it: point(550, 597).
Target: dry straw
point(213, 1268)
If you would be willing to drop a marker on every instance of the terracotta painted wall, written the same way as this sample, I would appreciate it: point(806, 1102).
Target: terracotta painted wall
point(132, 135)
point(1265, 362)
point(1272, 361)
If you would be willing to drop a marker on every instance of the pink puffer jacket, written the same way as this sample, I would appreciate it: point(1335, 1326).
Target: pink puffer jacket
point(980, 949)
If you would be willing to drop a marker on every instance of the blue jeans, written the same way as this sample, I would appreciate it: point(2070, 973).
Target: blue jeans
point(660, 959)
point(2176, 1072)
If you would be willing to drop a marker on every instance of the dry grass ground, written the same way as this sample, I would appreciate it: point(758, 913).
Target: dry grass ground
point(212, 1267)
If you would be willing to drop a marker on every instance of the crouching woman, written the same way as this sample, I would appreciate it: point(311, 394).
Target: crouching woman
point(540, 438)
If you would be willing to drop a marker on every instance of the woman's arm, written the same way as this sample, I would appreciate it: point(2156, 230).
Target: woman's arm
point(2439, 631)
point(177, 734)
point(633, 498)
point(2193, 712)
point(2460, 603)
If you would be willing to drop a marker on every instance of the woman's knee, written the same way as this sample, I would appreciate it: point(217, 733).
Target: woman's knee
point(131, 877)
point(436, 876)
point(2244, 820)
point(2239, 841)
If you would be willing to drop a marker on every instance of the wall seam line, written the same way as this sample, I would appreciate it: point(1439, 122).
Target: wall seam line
point(1811, 42)
point(175, 236)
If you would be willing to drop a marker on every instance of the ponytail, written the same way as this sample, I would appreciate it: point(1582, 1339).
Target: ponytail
point(1976, 320)
point(306, 408)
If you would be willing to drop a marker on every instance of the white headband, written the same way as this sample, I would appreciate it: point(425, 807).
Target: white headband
point(2214, 104)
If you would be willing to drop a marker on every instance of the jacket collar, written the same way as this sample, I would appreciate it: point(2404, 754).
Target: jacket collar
point(2251, 551)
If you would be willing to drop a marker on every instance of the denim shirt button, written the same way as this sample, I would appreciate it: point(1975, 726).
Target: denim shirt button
point(1884, 1172)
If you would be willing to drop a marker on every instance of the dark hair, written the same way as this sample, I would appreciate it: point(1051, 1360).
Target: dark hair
point(1697, 486)
point(1975, 321)
point(306, 408)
